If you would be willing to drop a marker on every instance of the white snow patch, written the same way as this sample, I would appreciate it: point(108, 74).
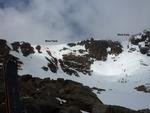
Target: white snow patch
point(108, 49)
point(84, 111)
point(61, 100)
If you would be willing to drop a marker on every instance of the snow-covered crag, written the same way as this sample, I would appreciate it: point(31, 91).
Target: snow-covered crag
point(120, 69)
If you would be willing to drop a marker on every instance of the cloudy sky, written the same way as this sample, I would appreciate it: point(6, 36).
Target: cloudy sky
point(71, 20)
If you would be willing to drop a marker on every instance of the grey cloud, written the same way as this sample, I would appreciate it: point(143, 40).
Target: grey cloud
point(70, 20)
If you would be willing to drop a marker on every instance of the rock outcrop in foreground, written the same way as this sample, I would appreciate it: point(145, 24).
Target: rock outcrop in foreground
point(59, 96)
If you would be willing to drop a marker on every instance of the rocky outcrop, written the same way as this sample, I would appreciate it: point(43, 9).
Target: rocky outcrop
point(38, 47)
point(52, 64)
point(79, 63)
point(71, 44)
point(144, 50)
point(97, 49)
point(94, 50)
point(15, 46)
point(143, 41)
point(59, 96)
point(144, 88)
point(66, 69)
point(26, 49)
point(55, 96)
point(141, 37)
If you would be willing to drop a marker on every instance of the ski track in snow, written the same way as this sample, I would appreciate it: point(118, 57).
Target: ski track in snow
point(119, 75)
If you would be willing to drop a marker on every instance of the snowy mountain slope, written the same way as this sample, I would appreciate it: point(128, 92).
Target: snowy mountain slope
point(123, 76)
point(118, 74)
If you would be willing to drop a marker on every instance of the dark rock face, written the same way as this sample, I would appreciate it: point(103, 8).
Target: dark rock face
point(135, 41)
point(145, 36)
point(71, 44)
point(81, 51)
point(44, 93)
point(41, 95)
point(95, 50)
point(66, 69)
point(15, 46)
point(52, 62)
point(70, 109)
point(79, 63)
point(41, 105)
point(38, 47)
point(26, 49)
point(143, 50)
point(98, 48)
point(145, 39)
point(53, 66)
